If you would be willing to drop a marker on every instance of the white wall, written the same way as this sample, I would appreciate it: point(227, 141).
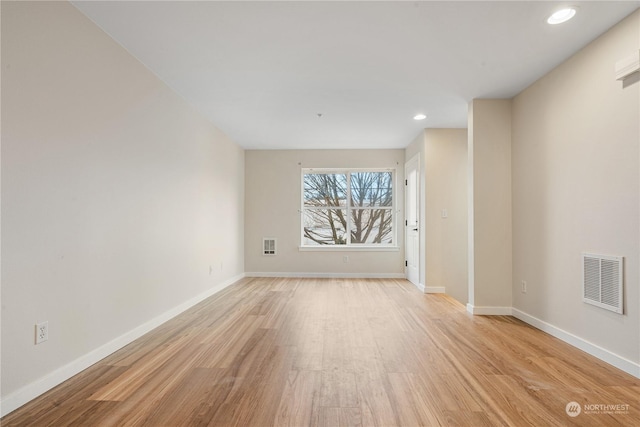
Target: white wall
point(576, 136)
point(117, 196)
point(446, 188)
point(490, 206)
point(273, 190)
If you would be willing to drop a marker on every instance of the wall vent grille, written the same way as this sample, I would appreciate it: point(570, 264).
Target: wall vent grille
point(602, 281)
point(269, 246)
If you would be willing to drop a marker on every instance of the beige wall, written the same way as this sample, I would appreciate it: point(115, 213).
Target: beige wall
point(273, 190)
point(490, 203)
point(119, 202)
point(443, 183)
point(446, 188)
point(576, 135)
point(116, 197)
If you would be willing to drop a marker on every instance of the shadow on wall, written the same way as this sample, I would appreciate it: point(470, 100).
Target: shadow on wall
point(631, 80)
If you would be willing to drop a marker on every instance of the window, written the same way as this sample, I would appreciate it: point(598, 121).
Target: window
point(348, 207)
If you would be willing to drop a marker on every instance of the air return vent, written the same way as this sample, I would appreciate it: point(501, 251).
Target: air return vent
point(602, 281)
point(268, 246)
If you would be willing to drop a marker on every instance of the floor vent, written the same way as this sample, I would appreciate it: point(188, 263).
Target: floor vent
point(268, 246)
point(602, 281)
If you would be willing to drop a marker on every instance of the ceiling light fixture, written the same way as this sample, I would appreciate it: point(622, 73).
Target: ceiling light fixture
point(419, 117)
point(562, 15)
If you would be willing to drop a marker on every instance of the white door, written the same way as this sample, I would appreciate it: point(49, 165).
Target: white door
point(412, 239)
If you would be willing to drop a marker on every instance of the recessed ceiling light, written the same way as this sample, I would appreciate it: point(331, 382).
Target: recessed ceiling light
point(419, 117)
point(562, 15)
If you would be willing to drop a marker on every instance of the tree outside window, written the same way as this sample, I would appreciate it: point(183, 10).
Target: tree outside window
point(347, 208)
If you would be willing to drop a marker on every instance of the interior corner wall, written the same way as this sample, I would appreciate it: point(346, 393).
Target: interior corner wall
point(445, 188)
point(119, 202)
point(490, 233)
point(576, 188)
point(272, 204)
point(443, 185)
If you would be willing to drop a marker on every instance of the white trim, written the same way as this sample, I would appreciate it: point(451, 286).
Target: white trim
point(489, 311)
point(419, 286)
point(434, 290)
point(29, 392)
point(408, 165)
point(327, 275)
point(395, 212)
point(345, 170)
point(348, 248)
point(603, 354)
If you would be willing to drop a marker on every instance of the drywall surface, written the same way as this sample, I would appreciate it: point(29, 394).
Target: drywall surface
point(119, 201)
point(446, 210)
point(490, 203)
point(273, 202)
point(575, 158)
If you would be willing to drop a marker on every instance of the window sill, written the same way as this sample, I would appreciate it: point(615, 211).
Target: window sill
point(344, 248)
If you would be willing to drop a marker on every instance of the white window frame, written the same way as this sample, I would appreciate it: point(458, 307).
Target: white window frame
point(352, 246)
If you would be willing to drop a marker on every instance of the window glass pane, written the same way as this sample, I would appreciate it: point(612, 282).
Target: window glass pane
point(371, 226)
point(325, 189)
point(371, 189)
point(325, 227)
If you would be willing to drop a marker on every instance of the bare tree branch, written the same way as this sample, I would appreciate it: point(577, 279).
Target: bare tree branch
point(327, 195)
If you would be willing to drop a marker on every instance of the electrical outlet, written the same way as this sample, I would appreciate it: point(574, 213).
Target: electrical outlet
point(42, 332)
point(524, 287)
point(345, 259)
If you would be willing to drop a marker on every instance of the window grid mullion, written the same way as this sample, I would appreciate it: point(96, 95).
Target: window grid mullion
point(343, 208)
point(348, 203)
point(349, 208)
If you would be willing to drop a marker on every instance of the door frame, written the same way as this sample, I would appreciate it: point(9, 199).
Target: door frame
point(418, 201)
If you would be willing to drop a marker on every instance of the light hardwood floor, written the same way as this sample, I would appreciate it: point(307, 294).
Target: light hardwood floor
point(334, 352)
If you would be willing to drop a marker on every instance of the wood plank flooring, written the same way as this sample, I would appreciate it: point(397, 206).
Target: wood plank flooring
point(337, 352)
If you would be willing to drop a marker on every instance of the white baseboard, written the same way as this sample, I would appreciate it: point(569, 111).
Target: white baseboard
point(29, 392)
point(38, 387)
point(489, 311)
point(605, 355)
point(421, 287)
point(329, 275)
point(430, 289)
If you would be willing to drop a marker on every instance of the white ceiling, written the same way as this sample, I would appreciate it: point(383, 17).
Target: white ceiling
point(263, 71)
